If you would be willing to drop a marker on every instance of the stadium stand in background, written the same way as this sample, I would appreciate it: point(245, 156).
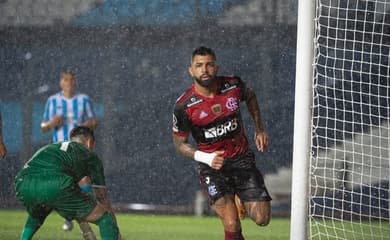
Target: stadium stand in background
point(100, 12)
point(42, 12)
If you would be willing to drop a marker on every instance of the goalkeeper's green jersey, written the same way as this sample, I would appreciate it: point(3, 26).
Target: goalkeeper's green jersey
point(65, 158)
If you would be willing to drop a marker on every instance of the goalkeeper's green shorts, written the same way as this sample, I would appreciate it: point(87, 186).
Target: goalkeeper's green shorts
point(46, 192)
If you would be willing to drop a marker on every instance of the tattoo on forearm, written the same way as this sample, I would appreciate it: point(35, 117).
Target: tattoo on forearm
point(183, 147)
point(100, 198)
point(254, 110)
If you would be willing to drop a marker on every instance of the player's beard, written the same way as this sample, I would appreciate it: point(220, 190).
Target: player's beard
point(206, 83)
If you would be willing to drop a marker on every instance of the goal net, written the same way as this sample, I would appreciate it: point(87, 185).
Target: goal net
point(350, 152)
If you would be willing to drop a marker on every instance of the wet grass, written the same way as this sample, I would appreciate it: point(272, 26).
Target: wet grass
point(146, 227)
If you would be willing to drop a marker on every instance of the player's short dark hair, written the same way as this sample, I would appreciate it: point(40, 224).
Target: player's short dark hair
point(68, 71)
point(203, 51)
point(82, 131)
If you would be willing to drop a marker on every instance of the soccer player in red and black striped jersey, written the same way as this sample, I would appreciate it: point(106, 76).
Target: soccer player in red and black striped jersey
point(210, 111)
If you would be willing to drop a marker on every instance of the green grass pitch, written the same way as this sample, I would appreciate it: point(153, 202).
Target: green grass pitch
point(146, 227)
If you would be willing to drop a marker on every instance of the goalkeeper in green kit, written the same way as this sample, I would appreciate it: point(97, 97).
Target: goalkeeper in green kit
point(49, 181)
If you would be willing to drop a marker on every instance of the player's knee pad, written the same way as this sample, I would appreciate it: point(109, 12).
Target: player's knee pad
point(108, 227)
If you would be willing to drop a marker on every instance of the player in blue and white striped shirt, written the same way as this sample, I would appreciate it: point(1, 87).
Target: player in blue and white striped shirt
point(67, 109)
point(63, 112)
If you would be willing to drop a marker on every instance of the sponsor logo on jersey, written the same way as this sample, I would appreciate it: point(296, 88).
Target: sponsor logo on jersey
point(222, 129)
point(232, 104)
point(228, 87)
point(194, 101)
point(217, 109)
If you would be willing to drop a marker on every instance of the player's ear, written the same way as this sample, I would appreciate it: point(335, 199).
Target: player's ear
point(190, 71)
point(90, 143)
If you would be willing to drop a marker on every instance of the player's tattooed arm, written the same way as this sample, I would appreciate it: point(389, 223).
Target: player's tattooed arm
point(102, 197)
point(183, 147)
point(254, 110)
point(261, 137)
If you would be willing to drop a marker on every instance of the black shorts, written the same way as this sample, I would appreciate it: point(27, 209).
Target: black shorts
point(239, 175)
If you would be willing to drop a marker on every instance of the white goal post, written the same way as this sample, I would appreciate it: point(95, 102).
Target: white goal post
point(341, 157)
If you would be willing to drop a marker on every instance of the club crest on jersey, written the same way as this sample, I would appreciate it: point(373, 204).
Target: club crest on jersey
point(216, 109)
point(232, 104)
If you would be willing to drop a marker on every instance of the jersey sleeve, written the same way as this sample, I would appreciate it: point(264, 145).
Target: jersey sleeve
point(97, 171)
point(243, 89)
point(180, 122)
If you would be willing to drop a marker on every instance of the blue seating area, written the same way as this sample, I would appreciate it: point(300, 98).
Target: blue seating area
point(144, 13)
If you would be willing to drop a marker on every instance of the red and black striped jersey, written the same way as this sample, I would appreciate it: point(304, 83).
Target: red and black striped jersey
point(215, 122)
